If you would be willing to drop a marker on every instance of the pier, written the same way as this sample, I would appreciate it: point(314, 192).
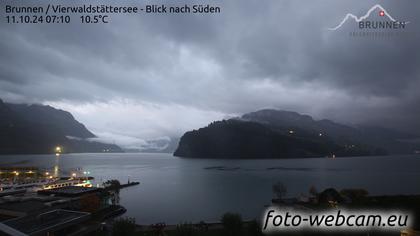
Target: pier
point(129, 184)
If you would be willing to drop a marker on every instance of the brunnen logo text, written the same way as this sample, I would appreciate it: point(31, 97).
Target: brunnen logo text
point(377, 22)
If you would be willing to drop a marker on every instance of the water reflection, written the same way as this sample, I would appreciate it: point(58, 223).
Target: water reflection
point(56, 165)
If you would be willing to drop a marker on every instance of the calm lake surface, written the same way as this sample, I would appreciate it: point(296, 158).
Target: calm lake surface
point(175, 190)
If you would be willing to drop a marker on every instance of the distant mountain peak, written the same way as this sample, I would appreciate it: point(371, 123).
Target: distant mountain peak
point(34, 128)
point(45, 114)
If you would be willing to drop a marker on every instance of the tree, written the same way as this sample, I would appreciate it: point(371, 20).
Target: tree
point(124, 227)
point(280, 190)
point(254, 228)
point(113, 187)
point(330, 195)
point(112, 184)
point(232, 224)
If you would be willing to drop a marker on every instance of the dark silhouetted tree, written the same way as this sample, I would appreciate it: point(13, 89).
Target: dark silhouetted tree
point(254, 229)
point(113, 187)
point(232, 224)
point(279, 190)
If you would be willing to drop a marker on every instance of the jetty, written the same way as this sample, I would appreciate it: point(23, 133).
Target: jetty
point(129, 184)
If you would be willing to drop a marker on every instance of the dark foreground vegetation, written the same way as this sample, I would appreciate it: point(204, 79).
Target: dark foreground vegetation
point(232, 224)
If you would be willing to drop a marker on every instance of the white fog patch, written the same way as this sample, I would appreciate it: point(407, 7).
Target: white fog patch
point(122, 140)
point(132, 123)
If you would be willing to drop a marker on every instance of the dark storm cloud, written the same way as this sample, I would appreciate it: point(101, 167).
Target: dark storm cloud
point(254, 54)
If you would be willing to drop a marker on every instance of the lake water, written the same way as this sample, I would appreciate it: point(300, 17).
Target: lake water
point(175, 190)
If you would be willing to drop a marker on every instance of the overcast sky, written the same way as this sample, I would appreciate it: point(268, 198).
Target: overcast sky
point(149, 76)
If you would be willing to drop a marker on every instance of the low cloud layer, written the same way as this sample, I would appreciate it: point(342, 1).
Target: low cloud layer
point(150, 76)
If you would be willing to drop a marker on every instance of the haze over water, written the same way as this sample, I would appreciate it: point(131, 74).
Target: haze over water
point(175, 190)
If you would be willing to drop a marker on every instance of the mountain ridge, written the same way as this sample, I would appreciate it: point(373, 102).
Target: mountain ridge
point(270, 133)
point(38, 129)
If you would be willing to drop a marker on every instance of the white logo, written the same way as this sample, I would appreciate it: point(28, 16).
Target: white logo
point(382, 12)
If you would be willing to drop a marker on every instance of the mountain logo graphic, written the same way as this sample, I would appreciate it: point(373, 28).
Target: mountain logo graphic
point(382, 12)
